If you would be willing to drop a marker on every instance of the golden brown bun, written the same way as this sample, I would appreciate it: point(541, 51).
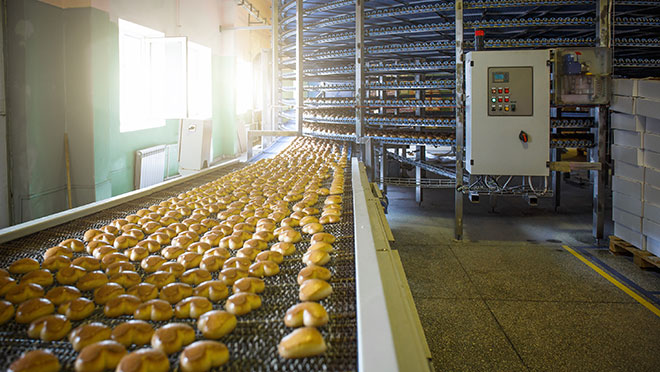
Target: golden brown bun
point(156, 310)
point(256, 244)
point(119, 267)
point(42, 277)
point(36, 361)
point(32, 309)
point(160, 279)
point(231, 275)
point(111, 258)
point(174, 268)
point(264, 268)
point(192, 307)
point(211, 238)
point(242, 303)
point(215, 324)
point(238, 263)
point(137, 253)
point(60, 295)
point(6, 284)
point(126, 279)
point(89, 234)
point(102, 251)
point(212, 263)
point(195, 276)
point(70, 274)
point(202, 356)
point(301, 343)
point(266, 236)
point(24, 265)
point(58, 251)
point(231, 242)
point(312, 228)
point(175, 292)
point(252, 285)
point(124, 241)
point(323, 237)
point(88, 263)
point(152, 264)
point(88, 334)
point(77, 309)
point(100, 356)
point(291, 222)
point(190, 260)
point(105, 238)
point(91, 280)
point(219, 252)
point(49, 327)
point(23, 292)
point(329, 218)
point(144, 360)
point(143, 291)
point(314, 290)
point(322, 246)
point(200, 247)
point(121, 305)
point(313, 272)
point(6, 311)
point(56, 262)
point(316, 257)
point(172, 337)
point(311, 211)
point(308, 314)
point(152, 245)
point(308, 220)
point(273, 256)
point(161, 238)
point(290, 236)
point(214, 290)
point(249, 253)
point(172, 252)
point(107, 292)
point(133, 332)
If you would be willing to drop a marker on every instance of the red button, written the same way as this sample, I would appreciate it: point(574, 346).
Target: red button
point(506, 90)
point(506, 100)
point(499, 100)
point(499, 90)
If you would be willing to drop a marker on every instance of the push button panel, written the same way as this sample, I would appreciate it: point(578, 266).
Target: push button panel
point(510, 88)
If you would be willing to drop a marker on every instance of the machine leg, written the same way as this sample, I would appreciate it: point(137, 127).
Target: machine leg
point(383, 167)
point(420, 156)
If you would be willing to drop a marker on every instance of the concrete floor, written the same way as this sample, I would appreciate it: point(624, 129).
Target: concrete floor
point(510, 298)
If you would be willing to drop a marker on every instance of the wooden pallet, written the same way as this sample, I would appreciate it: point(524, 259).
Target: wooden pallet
point(643, 259)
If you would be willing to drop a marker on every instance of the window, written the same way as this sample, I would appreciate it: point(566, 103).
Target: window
point(199, 81)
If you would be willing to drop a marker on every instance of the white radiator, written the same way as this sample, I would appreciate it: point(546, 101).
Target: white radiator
point(149, 166)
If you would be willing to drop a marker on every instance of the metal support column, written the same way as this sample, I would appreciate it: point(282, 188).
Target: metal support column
point(420, 156)
point(300, 98)
point(460, 117)
point(599, 153)
point(359, 76)
point(383, 167)
point(275, 34)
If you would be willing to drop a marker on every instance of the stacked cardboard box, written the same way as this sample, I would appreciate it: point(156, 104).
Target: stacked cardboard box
point(636, 153)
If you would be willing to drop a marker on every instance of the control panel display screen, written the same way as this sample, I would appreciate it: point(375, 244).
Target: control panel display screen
point(500, 77)
point(510, 91)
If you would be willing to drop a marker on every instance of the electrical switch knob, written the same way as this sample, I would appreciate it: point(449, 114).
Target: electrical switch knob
point(523, 136)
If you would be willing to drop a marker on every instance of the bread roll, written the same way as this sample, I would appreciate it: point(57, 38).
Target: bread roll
point(329, 218)
point(137, 253)
point(77, 309)
point(190, 260)
point(172, 337)
point(175, 292)
point(231, 242)
point(219, 252)
point(89, 234)
point(55, 263)
point(264, 268)
point(301, 343)
point(119, 267)
point(32, 309)
point(60, 295)
point(88, 334)
point(6, 311)
point(161, 238)
point(200, 247)
point(169, 231)
point(195, 276)
point(314, 290)
point(151, 245)
point(151, 264)
point(143, 291)
point(103, 250)
point(24, 265)
point(136, 233)
point(182, 241)
point(291, 222)
point(238, 263)
point(202, 356)
point(255, 244)
point(216, 324)
point(91, 280)
point(266, 236)
point(100, 356)
point(121, 305)
point(105, 238)
point(316, 257)
point(172, 252)
point(212, 263)
point(126, 279)
point(88, 263)
point(23, 292)
point(124, 241)
point(323, 237)
point(310, 211)
point(70, 274)
point(36, 361)
point(308, 220)
point(322, 246)
point(156, 310)
point(192, 307)
point(144, 360)
point(249, 253)
point(242, 303)
point(6, 284)
point(290, 236)
point(251, 285)
point(109, 229)
point(112, 258)
point(210, 238)
point(133, 332)
point(214, 290)
point(160, 279)
point(308, 314)
point(49, 327)
point(175, 268)
point(42, 277)
point(312, 228)
point(58, 251)
point(230, 275)
point(107, 292)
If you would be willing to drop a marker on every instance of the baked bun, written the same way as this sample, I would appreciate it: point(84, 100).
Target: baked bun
point(162, 238)
point(212, 263)
point(119, 267)
point(151, 264)
point(156, 310)
point(172, 337)
point(90, 234)
point(316, 257)
point(6, 311)
point(314, 290)
point(124, 241)
point(133, 332)
point(91, 280)
point(137, 253)
point(144, 360)
point(42, 277)
point(111, 258)
point(36, 361)
point(23, 292)
point(55, 263)
point(88, 263)
point(322, 246)
point(24, 265)
point(100, 356)
point(151, 245)
point(238, 263)
point(192, 307)
point(32, 309)
point(60, 295)
point(284, 248)
point(251, 284)
point(313, 272)
point(249, 253)
point(175, 268)
point(103, 250)
point(291, 222)
point(231, 275)
point(312, 228)
point(126, 279)
point(49, 328)
point(242, 303)
point(202, 356)
point(70, 274)
point(323, 237)
point(58, 251)
point(6, 284)
point(121, 305)
point(214, 290)
point(308, 220)
point(77, 309)
point(301, 343)
point(160, 279)
point(195, 276)
point(273, 256)
point(231, 242)
point(143, 291)
point(211, 238)
point(88, 334)
point(216, 324)
point(200, 247)
point(172, 252)
point(107, 292)
point(264, 268)
point(219, 252)
point(329, 218)
point(175, 292)
point(308, 314)
point(190, 260)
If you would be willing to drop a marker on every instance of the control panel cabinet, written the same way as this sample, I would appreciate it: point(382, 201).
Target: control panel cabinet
point(508, 112)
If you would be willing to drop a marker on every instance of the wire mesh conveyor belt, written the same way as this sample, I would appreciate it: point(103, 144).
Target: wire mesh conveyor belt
point(253, 345)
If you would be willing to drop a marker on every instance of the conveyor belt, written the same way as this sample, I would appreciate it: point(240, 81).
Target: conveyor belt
point(253, 344)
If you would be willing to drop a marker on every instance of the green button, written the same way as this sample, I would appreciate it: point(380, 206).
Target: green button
point(493, 99)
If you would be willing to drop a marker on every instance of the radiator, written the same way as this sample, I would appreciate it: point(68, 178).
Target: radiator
point(149, 166)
